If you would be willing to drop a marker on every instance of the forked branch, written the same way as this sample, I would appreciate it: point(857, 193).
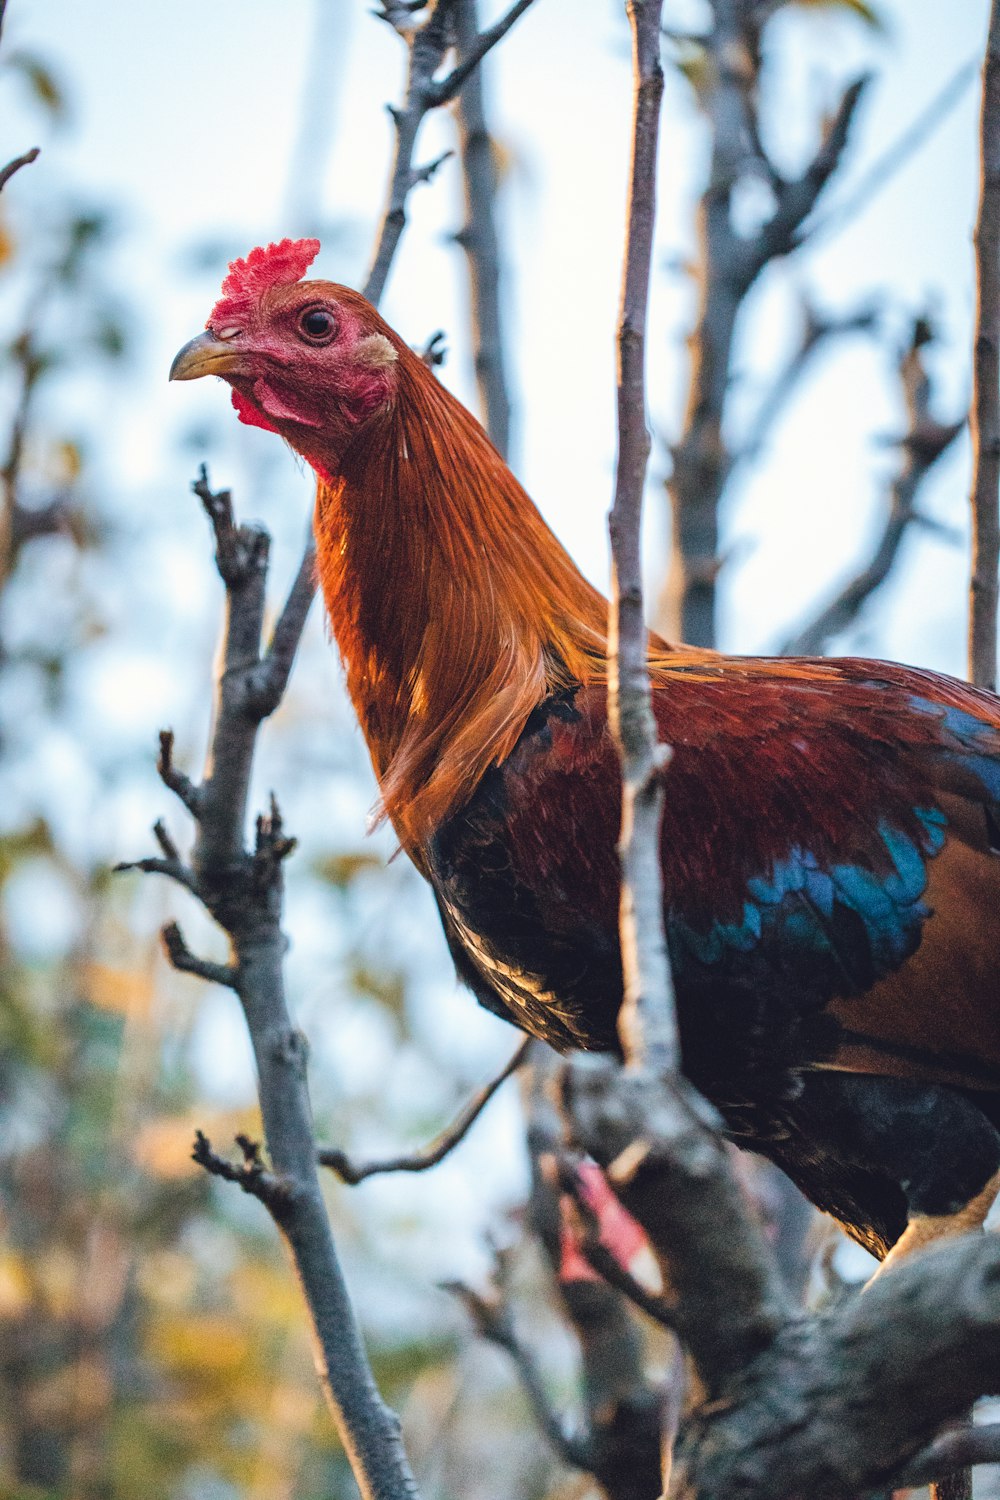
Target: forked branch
point(242, 889)
point(428, 44)
point(925, 441)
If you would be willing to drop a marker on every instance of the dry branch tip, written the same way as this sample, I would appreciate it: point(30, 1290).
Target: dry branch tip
point(251, 1174)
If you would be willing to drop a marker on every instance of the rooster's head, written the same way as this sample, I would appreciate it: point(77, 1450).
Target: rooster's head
point(310, 360)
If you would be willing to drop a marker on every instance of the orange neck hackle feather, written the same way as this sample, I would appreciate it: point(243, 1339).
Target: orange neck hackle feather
point(454, 607)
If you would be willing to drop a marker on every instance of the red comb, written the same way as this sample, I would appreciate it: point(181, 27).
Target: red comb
point(273, 265)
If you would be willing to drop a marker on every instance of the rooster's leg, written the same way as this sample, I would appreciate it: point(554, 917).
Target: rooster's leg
point(924, 1230)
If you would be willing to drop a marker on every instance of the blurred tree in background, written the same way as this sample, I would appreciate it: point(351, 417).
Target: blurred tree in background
point(151, 1338)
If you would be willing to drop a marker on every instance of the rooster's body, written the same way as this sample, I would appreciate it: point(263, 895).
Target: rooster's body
point(831, 829)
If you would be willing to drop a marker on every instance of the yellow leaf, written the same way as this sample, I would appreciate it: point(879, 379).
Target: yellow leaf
point(129, 992)
point(58, 1272)
point(266, 1292)
point(168, 1278)
point(15, 1285)
point(201, 1345)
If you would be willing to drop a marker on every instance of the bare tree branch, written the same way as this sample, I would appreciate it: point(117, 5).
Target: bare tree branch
point(839, 215)
point(175, 869)
point(797, 198)
point(272, 678)
point(243, 891)
point(186, 962)
point(829, 1406)
point(251, 1175)
point(648, 1096)
point(428, 44)
point(478, 238)
point(623, 1404)
point(818, 329)
point(175, 781)
point(730, 263)
point(7, 172)
point(925, 441)
point(984, 418)
point(648, 1022)
point(494, 1321)
point(353, 1172)
point(474, 53)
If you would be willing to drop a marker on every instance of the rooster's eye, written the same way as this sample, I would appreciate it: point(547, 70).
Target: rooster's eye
point(317, 324)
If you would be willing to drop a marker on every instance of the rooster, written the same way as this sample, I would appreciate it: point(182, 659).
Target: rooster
point(832, 827)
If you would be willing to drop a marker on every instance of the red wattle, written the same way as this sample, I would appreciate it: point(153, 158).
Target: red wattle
point(248, 413)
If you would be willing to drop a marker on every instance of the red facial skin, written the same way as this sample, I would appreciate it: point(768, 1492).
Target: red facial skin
point(315, 390)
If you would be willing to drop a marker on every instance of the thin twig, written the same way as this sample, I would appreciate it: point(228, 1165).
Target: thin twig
point(925, 441)
point(984, 417)
point(648, 1023)
point(494, 1321)
point(429, 170)
point(892, 161)
point(251, 1174)
point(165, 841)
point(797, 198)
point(269, 682)
point(817, 330)
point(7, 172)
point(448, 87)
point(186, 962)
point(435, 350)
point(174, 869)
point(353, 1172)
point(428, 44)
point(175, 781)
point(622, 1400)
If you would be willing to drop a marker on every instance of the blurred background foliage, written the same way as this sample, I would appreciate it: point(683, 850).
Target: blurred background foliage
point(151, 1336)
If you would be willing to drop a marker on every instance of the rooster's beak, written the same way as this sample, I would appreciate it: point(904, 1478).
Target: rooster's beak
point(204, 355)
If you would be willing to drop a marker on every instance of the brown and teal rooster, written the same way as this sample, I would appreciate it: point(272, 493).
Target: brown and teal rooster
point(831, 840)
